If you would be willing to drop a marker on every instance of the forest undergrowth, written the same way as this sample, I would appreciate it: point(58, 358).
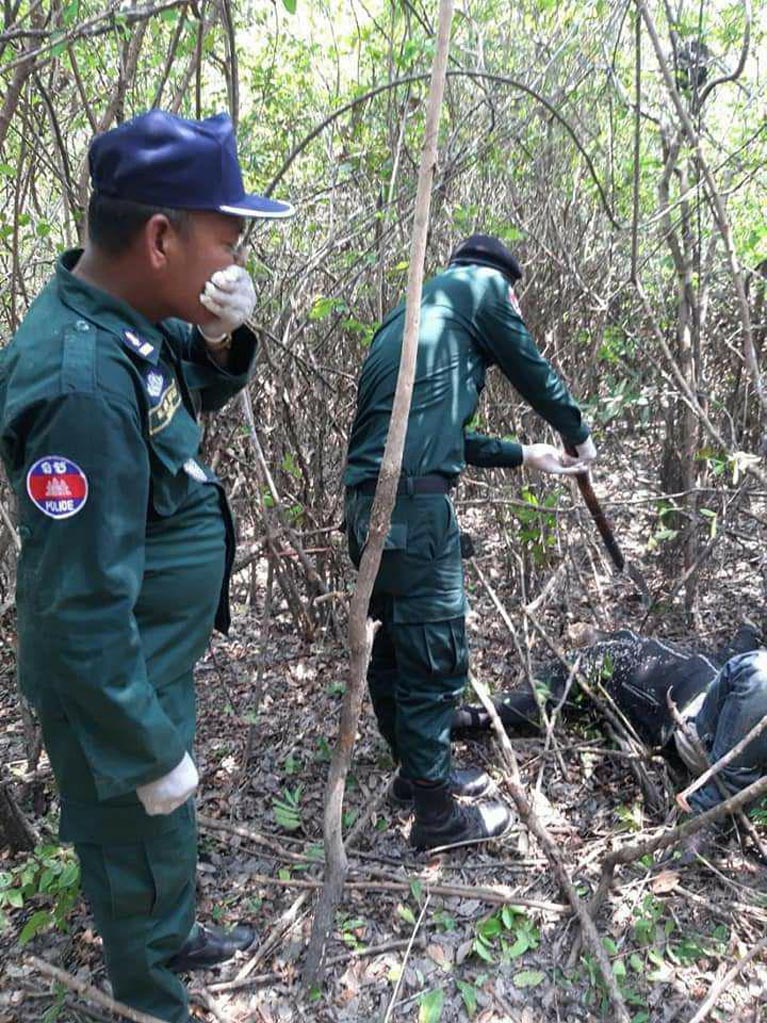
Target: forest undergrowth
point(482, 934)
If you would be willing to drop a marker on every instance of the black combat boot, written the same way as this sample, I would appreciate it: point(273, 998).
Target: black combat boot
point(208, 946)
point(471, 784)
point(442, 823)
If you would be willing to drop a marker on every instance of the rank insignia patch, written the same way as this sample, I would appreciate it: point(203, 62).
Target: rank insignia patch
point(137, 344)
point(57, 486)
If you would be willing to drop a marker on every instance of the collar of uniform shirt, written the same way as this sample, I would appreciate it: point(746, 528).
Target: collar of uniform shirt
point(101, 308)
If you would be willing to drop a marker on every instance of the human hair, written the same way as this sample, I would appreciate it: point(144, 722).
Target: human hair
point(114, 223)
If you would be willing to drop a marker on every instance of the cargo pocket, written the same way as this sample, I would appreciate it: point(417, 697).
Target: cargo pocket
point(173, 862)
point(132, 890)
point(437, 653)
point(433, 528)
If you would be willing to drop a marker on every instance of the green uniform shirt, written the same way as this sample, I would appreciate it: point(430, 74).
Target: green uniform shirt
point(100, 440)
point(470, 321)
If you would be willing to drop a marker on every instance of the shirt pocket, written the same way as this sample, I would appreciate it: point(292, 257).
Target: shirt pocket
point(173, 447)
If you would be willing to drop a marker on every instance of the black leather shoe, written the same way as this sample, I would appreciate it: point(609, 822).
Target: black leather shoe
point(441, 823)
point(471, 784)
point(210, 946)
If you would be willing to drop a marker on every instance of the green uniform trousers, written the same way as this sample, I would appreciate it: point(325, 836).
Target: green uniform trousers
point(419, 663)
point(139, 872)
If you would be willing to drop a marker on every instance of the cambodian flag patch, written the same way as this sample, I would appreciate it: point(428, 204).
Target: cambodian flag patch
point(57, 486)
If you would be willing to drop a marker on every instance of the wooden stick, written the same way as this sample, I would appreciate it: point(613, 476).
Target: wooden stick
point(360, 630)
point(90, 993)
point(728, 757)
point(549, 846)
point(401, 976)
point(211, 824)
point(498, 895)
point(724, 982)
point(353, 953)
point(692, 737)
point(668, 837)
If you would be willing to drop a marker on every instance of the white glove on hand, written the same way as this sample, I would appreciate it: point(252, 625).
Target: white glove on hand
point(547, 458)
point(231, 297)
point(587, 453)
point(166, 794)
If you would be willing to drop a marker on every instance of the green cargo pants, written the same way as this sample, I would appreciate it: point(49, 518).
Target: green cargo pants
point(142, 895)
point(419, 663)
point(139, 872)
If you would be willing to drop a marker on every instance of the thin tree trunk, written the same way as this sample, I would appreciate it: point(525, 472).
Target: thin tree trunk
point(360, 629)
point(15, 832)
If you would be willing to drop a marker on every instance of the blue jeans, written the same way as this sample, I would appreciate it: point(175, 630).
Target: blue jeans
point(735, 702)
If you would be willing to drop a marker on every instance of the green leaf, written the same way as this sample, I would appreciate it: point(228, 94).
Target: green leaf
point(36, 923)
point(529, 978)
point(287, 811)
point(324, 306)
point(521, 945)
point(290, 6)
point(509, 916)
point(483, 951)
point(469, 996)
point(406, 913)
point(490, 928)
point(430, 1008)
point(71, 12)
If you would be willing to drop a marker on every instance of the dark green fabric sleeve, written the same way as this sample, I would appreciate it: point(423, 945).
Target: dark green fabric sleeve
point(216, 385)
point(491, 452)
point(508, 344)
point(79, 580)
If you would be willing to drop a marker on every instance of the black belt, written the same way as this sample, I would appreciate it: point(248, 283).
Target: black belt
point(431, 484)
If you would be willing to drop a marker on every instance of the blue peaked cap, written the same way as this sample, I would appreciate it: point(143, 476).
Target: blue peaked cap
point(160, 159)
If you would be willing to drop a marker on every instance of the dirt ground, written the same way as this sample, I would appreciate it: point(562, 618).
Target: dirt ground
point(403, 948)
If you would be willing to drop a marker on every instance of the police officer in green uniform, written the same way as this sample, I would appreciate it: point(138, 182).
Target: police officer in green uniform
point(470, 321)
point(127, 540)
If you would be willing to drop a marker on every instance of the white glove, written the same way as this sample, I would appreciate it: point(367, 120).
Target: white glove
point(587, 453)
point(174, 788)
point(547, 458)
point(231, 297)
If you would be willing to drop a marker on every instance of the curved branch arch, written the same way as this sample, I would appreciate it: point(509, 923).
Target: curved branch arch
point(477, 75)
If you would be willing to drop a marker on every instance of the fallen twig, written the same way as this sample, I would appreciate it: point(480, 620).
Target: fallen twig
point(211, 824)
point(692, 737)
point(722, 762)
point(499, 895)
point(352, 953)
point(89, 992)
point(631, 853)
point(724, 982)
point(528, 815)
point(397, 986)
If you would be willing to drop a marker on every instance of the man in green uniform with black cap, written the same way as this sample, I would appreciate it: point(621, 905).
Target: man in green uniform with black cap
point(127, 540)
point(470, 321)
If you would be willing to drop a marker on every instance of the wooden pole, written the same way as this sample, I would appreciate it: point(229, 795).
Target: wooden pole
point(360, 628)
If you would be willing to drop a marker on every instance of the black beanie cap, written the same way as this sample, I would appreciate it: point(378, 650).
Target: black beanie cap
point(484, 250)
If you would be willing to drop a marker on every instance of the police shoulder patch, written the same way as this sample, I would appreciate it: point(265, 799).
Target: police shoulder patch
point(57, 486)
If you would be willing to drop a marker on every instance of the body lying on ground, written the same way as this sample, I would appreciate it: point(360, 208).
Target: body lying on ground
point(719, 698)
